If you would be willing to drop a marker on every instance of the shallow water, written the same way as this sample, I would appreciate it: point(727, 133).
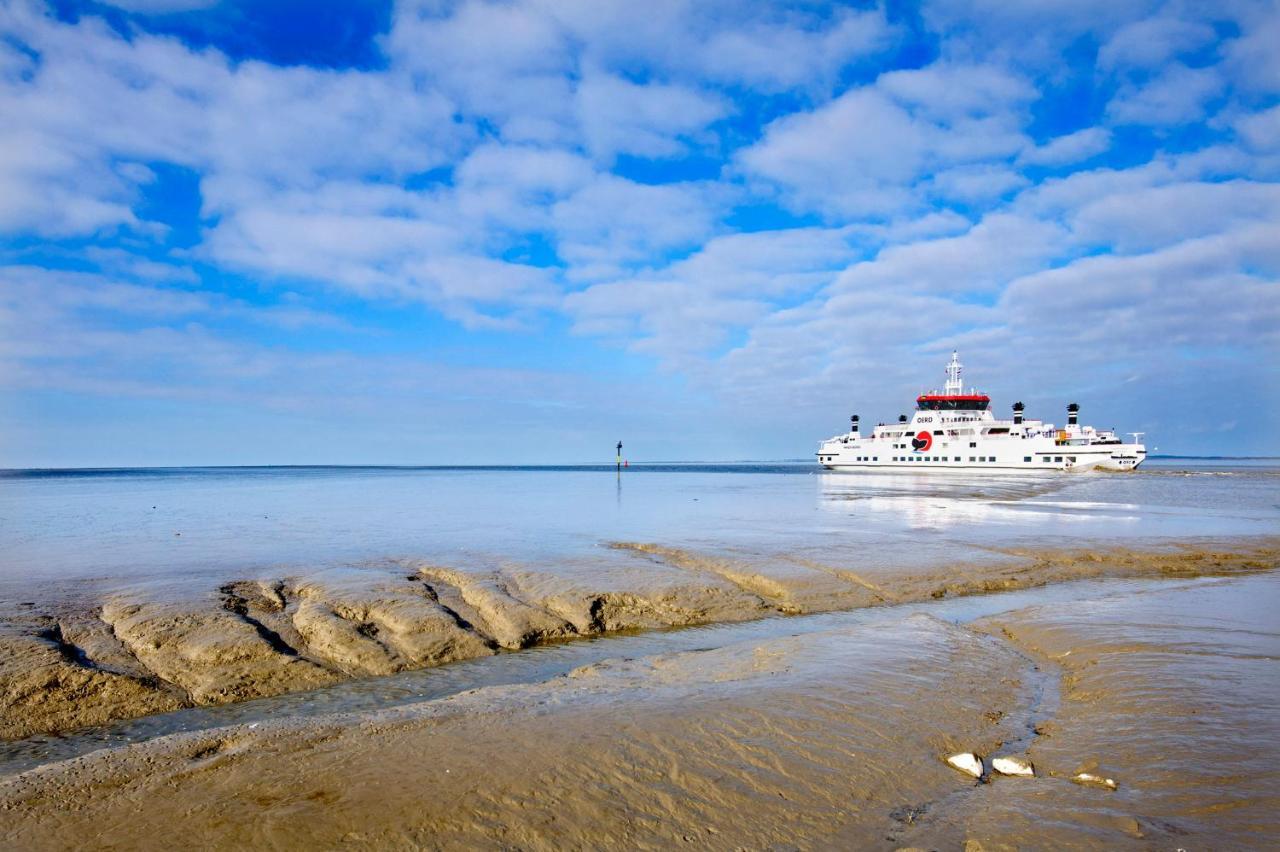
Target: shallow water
point(74, 530)
point(1173, 693)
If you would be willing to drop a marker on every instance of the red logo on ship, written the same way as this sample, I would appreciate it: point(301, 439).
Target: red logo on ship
point(922, 442)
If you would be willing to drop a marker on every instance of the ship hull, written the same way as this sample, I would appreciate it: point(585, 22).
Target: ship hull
point(859, 456)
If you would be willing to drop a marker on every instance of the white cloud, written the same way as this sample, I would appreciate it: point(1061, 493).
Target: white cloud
point(1068, 149)
point(1252, 57)
point(1261, 130)
point(612, 224)
point(980, 184)
point(860, 155)
point(1145, 219)
point(1177, 95)
point(681, 311)
point(1152, 42)
point(983, 259)
point(1211, 291)
point(654, 120)
point(728, 42)
point(774, 57)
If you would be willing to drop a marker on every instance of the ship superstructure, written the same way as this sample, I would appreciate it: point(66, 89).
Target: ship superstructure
point(955, 429)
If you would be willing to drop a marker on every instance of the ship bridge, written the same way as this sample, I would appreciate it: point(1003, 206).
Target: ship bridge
point(953, 396)
point(956, 402)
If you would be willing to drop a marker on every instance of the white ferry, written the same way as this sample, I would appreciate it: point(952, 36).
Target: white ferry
point(955, 430)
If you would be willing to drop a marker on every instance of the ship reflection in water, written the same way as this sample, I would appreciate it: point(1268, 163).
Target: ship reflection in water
point(939, 500)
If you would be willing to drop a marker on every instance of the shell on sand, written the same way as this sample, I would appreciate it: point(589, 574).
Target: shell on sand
point(1091, 780)
point(1011, 765)
point(967, 762)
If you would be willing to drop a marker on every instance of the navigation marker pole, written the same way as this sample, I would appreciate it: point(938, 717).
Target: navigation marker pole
point(619, 457)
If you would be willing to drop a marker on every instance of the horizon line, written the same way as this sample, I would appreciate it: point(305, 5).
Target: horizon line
point(542, 465)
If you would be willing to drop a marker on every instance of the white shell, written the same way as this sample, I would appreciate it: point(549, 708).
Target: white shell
point(1014, 766)
point(1094, 780)
point(967, 762)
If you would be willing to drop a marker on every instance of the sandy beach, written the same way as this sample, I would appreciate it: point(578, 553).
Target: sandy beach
point(134, 655)
point(830, 737)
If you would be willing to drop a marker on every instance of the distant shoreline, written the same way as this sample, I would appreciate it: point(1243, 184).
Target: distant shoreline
point(572, 466)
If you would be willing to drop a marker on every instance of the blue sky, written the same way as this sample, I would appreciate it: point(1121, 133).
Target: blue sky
point(491, 232)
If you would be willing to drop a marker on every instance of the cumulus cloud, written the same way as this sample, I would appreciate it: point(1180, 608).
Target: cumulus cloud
point(861, 155)
point(621, 117)
point(1176, 95)
point(681, 311)
point(1151, 42)
point(1068, 149)
point(612, 223)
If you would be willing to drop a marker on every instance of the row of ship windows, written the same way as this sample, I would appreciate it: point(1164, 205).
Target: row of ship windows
point(972, 444)
point(957, 458)
point(987, 459)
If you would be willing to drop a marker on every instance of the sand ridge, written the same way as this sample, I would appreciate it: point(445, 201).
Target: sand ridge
point(131, 655)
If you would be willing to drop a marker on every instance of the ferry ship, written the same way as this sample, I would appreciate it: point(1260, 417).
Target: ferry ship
point(954, 429)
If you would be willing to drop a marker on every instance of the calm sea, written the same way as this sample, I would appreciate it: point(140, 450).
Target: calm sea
point(77, 528)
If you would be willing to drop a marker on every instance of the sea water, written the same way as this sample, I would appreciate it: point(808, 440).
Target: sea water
point(97, 529)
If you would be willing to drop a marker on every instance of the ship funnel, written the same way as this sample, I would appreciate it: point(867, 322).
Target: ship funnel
point(1017, 413)
point(1073, 414)
point(902, 418)
point(853, 424)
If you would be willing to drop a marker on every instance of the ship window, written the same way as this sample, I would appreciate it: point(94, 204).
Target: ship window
point(1071, 458)
point(1026, 458)
point(1046, 458)
point(1057, 458)
point(957, 458)
point(937, 431)
point(972, 444)
point(971, 458)
point(877, 458)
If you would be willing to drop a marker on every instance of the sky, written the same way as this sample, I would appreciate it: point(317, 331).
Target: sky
point(289, 232)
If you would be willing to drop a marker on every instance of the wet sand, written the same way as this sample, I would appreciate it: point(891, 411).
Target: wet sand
point(1171, 693)
point(137, 651)
point(821, 739)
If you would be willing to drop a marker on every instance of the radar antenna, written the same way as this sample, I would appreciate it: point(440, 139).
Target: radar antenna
point(954, 385)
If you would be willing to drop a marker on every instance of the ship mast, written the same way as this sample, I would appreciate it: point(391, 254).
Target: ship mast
point(954, 386)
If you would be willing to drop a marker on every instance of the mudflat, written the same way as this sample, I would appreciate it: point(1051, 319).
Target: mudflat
point(64, 665)
point(828, 737)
